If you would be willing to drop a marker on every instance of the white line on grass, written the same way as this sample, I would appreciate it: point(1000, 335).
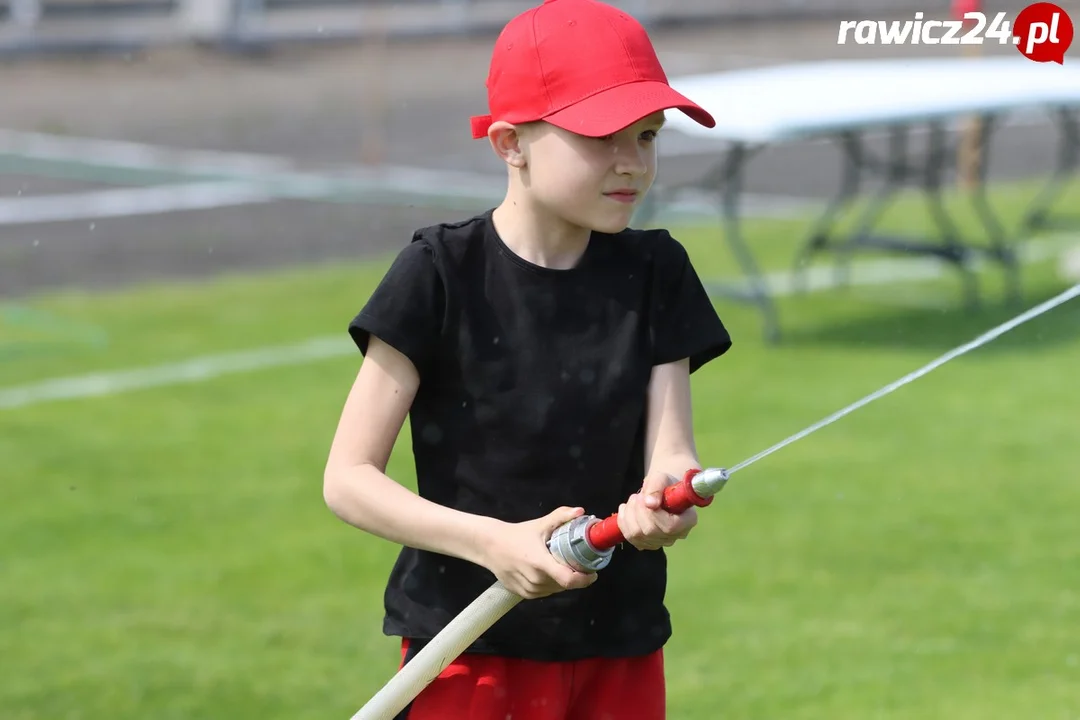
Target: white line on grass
point(127, 202)
point(387, 185)
point(238, 166)
point(880, 272)
point(139, 156)
point(208, 367)
point(244, 166)
point(195, 370)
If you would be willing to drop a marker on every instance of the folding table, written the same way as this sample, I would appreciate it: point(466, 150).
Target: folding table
point(845, 100)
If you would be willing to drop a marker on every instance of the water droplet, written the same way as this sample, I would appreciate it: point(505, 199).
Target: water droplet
point(36, 243)
point(1072, 661)
point(575, 451)
point(495, 340)
point(93, 225)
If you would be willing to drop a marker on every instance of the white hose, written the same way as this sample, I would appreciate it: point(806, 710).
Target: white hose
point(444, 648)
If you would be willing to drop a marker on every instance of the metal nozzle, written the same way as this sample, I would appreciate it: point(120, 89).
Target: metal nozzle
point(709, 482)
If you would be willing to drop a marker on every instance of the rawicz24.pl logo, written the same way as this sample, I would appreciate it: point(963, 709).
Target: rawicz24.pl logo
point(1041, 32)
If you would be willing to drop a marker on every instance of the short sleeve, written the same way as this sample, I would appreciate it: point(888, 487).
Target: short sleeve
point(685, 323)
point(406, 310)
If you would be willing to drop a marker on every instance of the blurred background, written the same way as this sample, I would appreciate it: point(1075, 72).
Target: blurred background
point(338, 89)
point(196, 196)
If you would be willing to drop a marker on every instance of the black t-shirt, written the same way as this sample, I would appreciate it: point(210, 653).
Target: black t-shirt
point(532, 395)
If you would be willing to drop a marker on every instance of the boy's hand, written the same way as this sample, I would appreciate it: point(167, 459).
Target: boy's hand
point(648, 527)
point(519, 557)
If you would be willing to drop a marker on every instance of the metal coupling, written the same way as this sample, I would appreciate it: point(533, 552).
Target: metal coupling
point(570, 545)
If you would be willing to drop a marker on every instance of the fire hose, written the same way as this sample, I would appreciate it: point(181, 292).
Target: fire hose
point(587, 543)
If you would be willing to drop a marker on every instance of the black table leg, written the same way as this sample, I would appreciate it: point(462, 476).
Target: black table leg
point(728, 179)
point(999, 249)
point(820, 235)
point(1068, 163)
point(953, 249)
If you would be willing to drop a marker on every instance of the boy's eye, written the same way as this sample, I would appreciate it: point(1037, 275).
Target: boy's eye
point(647, 136)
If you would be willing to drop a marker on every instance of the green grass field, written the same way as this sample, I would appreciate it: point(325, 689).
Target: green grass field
point(166, 553)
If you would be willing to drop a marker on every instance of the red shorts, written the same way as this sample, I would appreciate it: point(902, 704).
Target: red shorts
point(485, 687)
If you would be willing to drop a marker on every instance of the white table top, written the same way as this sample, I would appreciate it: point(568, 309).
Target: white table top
point(804, 99)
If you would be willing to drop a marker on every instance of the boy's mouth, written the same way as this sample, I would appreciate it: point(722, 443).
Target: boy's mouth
point(623, 195)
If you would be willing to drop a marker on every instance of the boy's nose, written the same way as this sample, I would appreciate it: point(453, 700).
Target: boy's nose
point(630, 160)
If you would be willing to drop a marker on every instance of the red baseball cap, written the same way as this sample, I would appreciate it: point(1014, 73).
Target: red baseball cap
point(581, 65)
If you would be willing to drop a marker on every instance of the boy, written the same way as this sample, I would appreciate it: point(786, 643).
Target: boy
point(542, 351)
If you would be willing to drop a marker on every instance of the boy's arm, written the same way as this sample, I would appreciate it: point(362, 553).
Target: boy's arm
point(669, 452)
point(669, 445)
point(358, 491)
point(355, 485)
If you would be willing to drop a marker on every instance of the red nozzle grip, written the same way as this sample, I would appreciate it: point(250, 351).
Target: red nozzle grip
point(678, 498)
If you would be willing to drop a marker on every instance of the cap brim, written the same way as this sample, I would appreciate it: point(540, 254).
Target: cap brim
point(611, 110)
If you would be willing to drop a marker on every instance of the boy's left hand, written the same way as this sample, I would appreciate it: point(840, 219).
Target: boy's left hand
point(648, 527)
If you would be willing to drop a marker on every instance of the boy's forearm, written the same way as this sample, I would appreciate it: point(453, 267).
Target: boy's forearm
point(366, 498)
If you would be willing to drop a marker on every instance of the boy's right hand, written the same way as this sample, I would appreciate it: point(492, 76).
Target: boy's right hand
point(519, 557)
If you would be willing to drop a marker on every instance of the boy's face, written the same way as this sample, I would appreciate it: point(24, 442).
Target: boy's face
point(594, 183)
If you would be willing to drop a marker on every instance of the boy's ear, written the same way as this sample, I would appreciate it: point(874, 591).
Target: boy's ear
point(506, 142)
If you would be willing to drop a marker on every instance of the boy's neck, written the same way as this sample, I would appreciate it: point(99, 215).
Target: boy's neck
point(539, 238)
